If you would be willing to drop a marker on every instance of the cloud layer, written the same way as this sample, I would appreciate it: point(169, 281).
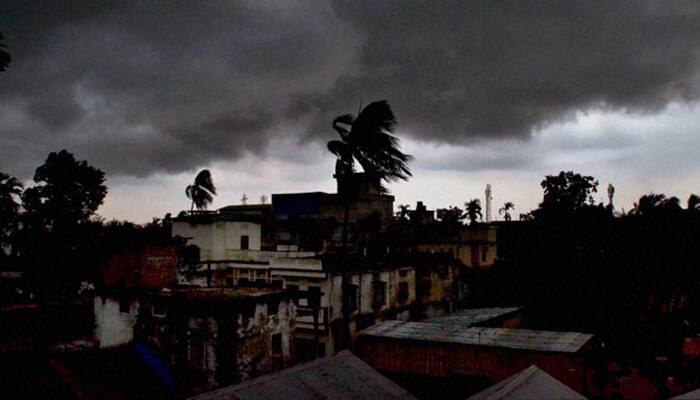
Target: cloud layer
point(144, 87)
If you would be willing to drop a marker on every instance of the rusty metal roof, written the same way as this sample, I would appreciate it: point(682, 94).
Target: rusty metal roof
point(473, 316)
point(520, 339)
point(530, 383)
point(342, 376)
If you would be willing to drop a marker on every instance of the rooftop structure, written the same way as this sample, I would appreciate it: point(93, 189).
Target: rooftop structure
point(520, 339)
point(531, 383)
point(338, 377)
point(467, 318)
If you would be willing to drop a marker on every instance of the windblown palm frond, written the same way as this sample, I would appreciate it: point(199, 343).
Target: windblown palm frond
point(201, 192)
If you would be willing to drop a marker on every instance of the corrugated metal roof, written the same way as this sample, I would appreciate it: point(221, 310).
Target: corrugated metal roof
point(473, 316)
point(694, 395)
point(338, 377)
point(522, 339)
point(531, 383)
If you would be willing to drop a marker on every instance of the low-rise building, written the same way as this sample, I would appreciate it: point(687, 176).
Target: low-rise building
point(211, 337)
point(127, 277)
point(442, 348)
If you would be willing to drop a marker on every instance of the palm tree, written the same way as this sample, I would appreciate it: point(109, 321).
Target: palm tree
point(366, 138)
point(652, 202)
point(201, 191)
point(473, 208)
point(505, 210)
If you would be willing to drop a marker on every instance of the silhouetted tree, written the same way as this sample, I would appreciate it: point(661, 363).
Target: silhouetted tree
point(693, 202)
point(366, 138)
point(201, 191)
point(473, 208)
point(5, 57)
point(59, 243)
point(652, 203)
point(452, 214)
point(10, 191)
point(506, 209)
point(566, 193)
point(67, 192)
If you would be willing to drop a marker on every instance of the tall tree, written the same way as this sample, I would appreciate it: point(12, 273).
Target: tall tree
point(473, 208)
point(506, 209)
point(58, 239)
point(566, 193)
point(67, 192)
point(201, 192)
point(368, 139)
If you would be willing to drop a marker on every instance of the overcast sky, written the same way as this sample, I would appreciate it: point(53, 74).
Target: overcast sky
point(485, 92)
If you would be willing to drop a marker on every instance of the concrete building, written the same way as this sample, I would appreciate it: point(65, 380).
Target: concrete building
point(339, 377)
point(225, 234)
point(475, 246)
point(214, 337)
point(127, 277)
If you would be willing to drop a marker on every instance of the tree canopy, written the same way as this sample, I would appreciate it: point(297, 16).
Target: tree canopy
point(67, 192)
point(368, 139)
point(566, 193)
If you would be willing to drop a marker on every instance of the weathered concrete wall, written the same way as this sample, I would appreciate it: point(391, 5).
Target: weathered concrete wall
point(112, 327)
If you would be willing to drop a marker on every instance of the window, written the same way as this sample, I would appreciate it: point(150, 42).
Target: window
point(352, 297)
point(244, 227)
point(379, 293)
point(277, 344)
point(484, 253)
point(314, 297)
point(245, 242)
point(124, 305)
point(403, 292)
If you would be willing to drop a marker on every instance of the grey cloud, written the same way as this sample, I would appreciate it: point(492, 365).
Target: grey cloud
point(457, 71)
point(140, 87)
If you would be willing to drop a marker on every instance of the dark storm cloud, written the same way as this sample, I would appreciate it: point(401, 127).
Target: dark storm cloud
point(138, 87)
point(459, 70)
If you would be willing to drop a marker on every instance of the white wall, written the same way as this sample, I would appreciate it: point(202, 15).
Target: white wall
point(114, 328)
point(216, 240)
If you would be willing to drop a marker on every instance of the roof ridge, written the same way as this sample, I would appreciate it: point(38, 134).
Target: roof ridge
point(518, 379)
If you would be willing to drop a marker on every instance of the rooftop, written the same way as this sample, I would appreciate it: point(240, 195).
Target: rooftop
point(531, 383)
point(519, 339)
point(220, 293)
point(339, 377)
point(470, 317)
